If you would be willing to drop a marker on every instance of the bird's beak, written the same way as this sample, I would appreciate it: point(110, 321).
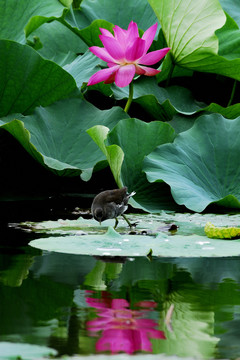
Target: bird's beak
point(100, 222)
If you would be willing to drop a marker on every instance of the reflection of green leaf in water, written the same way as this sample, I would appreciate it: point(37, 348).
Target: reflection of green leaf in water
point(221, 233)
point(101, 273)
point(95, 278)
point(16, 273)
point(192, 329)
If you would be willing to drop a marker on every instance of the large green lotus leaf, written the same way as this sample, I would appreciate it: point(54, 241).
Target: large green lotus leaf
point(91, 33)
point(189, 28)
point(135, 139)
point(10, 350)
point(122, 13)
point(56, 135)
point(28, 80)
point(113, 244)
point(58, 43)
point(186, 223)
point(113, 153)
point(101, 14)
point(83, 67)
point(229, 42)
point(14, 15)
point(161, 103)
point(232, 7)
point(194, 30)
point(164, 103)
point(201, 166)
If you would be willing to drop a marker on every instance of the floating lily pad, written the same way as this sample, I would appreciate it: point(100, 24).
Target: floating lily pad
point(10, 350)
point(127, 357)
point(164, 244)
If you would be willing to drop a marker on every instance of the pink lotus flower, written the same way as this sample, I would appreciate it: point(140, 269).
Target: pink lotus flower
point(122, 329)
point(126, 55)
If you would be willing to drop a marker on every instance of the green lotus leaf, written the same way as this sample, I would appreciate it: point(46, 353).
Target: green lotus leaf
point(11, 350)
point(198, 36)
point(232, 7)
point(56, 135)
point(229, 42)
point(59, 43)
point(201, 165)
point(221, 232)
point(113, 153)
point(67, 3)
point(109, 244)
point(14, 15)
point(113, 244)
point(189, 28)
point(83, 67)
point(136, 139)
point(121, 13)
point(28, 80)
point(163, 103)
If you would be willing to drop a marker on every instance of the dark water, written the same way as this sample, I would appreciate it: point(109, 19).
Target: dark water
point(87, 305)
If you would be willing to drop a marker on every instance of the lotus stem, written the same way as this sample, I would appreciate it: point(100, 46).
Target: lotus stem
point(170, 73)
point(232, 93)
point(130, 97)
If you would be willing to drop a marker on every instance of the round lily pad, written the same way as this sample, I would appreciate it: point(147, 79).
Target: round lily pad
point(164, 245)
point(9, 350)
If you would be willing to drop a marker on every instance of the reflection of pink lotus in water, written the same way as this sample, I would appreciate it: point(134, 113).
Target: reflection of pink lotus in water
point(123, 329)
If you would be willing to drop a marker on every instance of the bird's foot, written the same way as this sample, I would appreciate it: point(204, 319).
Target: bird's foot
point(131, 225)
point(116, 223)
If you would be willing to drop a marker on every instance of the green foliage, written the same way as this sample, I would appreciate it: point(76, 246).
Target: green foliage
point(201, 164)
point(28, 80)
point(45, 65)
point(221, 232)
point(56, 135)
point(189, 240)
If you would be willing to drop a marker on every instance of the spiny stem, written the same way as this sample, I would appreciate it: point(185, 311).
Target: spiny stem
point(232, 93)
point(130, 97)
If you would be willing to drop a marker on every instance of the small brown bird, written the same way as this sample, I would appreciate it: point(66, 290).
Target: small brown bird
point(110, 204)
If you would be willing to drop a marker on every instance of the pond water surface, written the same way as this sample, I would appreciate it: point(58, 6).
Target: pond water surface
point(189, 307)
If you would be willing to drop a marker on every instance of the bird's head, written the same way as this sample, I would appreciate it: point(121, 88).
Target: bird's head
point(98, 215)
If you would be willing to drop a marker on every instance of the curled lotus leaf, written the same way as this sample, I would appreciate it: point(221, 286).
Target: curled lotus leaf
point(221, 232)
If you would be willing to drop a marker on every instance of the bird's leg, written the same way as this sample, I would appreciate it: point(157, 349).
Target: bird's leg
point(116, 223)
point(129, 224)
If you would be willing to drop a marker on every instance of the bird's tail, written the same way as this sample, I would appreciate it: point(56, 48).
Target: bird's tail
point(131, 194)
